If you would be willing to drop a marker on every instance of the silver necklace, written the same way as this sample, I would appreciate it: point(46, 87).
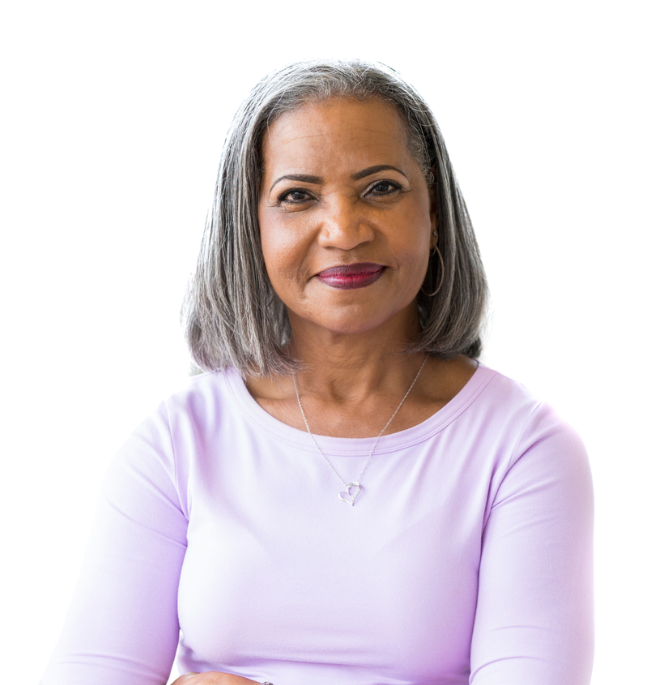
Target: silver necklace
point(346, 495)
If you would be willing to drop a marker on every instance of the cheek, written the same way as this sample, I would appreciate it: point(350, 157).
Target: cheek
point(415, 248)
point(281, 247)
point(283, 253)
point(271, 242)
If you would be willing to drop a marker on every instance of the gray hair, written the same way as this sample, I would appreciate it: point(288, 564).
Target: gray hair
point(231, 314)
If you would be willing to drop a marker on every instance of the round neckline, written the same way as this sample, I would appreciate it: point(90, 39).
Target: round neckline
point(356, 447)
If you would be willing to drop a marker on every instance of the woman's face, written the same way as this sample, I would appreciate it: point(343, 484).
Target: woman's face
point(346, 220)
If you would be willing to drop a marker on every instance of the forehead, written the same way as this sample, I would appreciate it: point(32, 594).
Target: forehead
point(338, 131)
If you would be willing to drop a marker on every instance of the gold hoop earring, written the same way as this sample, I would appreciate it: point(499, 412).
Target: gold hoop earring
point(436, 247)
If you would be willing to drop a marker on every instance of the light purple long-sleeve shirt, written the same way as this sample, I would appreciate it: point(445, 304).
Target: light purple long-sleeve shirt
point(467, 557)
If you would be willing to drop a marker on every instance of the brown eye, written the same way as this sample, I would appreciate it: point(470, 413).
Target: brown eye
point(384, 188)
point(294, 196)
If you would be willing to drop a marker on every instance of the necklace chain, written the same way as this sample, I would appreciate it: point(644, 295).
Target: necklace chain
point(355, 483)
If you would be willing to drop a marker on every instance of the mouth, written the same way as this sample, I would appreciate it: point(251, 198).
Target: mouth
point(350, 269)
point(350, 281)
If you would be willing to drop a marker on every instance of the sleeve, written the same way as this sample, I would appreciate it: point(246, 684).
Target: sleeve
point(534, 618)
point(122, 626)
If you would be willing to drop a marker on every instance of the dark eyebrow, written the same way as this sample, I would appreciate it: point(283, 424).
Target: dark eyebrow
point(375, 169)
point(305, 178)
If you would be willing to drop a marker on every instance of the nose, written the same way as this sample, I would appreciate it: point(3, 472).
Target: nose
point(344, 225)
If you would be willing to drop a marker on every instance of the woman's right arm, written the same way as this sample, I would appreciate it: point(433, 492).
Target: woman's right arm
point(122, 626)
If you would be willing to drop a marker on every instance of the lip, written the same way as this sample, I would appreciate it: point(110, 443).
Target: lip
point(347, 269)
point(349, 276)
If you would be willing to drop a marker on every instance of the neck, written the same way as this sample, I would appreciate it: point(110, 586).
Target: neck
point(343, 377)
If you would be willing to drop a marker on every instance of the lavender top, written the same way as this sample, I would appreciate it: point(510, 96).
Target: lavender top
point(467, 557)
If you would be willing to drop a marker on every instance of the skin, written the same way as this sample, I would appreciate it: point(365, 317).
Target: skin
point(351, 340)
point(212, 678)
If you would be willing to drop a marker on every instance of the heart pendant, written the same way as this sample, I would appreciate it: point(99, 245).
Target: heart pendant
point(343, 493)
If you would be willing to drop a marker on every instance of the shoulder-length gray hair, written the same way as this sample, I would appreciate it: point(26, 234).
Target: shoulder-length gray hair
point(232, 316)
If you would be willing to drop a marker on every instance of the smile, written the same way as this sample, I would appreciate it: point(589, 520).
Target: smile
point(352, 281)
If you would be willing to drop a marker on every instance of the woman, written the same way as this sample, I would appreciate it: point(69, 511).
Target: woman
point(346, 495)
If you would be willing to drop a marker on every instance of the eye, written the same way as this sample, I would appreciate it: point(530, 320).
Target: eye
point(384, 188)
point(294, 196)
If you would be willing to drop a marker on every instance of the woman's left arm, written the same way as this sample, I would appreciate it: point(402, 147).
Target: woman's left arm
point(534, 618)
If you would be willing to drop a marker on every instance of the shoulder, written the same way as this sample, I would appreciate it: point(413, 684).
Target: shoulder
point(442, 380)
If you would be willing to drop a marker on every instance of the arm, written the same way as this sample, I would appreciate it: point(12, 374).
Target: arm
point(122, 627)
point(534, 619)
